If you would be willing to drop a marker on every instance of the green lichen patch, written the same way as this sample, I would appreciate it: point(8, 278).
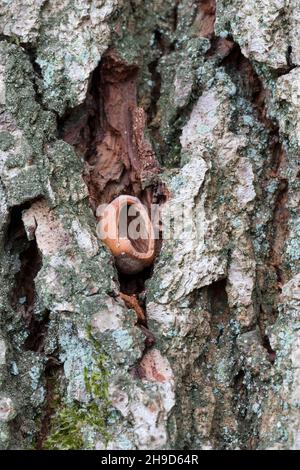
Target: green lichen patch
point(73, 421)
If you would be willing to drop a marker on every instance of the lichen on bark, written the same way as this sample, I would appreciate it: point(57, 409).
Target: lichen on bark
point(176, 102)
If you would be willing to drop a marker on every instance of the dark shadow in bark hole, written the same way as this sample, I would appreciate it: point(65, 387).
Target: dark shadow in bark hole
point(53, 370)
point(22, 296)
point(30, 259)
point(238, 380)
point(24, 280)
point(242, 73)
point(134, 283)
point(38, 332)
point(15, 235)
point(267, 345)
point(219, 307)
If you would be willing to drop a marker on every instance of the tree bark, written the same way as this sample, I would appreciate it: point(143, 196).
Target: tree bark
point(192, 106)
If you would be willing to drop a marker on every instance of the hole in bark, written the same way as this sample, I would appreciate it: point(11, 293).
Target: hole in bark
point(155, 95)
point(132, 5)
point(23, 293)
point(238, 379)
point(289, 64)
point(175, 16)
point(24, 290)
point(267, 345)
point(279, 231)
point(134, 284)
point(38, 331)
point(16, 236)
point(218, 301)
point(219, 309)
point(53, 370)
point(242, 73)
point(108, 132)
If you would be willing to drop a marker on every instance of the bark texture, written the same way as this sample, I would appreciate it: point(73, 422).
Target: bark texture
point(176, 102)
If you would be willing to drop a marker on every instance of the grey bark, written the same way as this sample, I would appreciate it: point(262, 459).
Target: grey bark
point(216, 366)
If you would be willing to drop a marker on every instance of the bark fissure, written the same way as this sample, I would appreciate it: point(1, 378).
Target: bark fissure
point(23, 293)
point(108, 131)
point(277, 229)
point(53, 370)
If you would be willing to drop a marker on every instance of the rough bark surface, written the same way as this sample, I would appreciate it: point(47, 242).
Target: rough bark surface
point(175, 102)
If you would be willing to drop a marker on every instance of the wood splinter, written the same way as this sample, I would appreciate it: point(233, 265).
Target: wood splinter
point(132, 302)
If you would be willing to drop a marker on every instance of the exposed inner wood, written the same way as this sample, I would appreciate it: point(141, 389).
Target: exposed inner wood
point(109, 131)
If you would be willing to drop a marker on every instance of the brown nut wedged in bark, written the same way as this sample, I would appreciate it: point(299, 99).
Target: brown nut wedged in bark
point(133, 249)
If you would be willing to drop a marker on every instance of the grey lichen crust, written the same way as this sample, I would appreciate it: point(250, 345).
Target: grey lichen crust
point(223, 301)
point(280, 423)
point(67, 38)
point(267, 31)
